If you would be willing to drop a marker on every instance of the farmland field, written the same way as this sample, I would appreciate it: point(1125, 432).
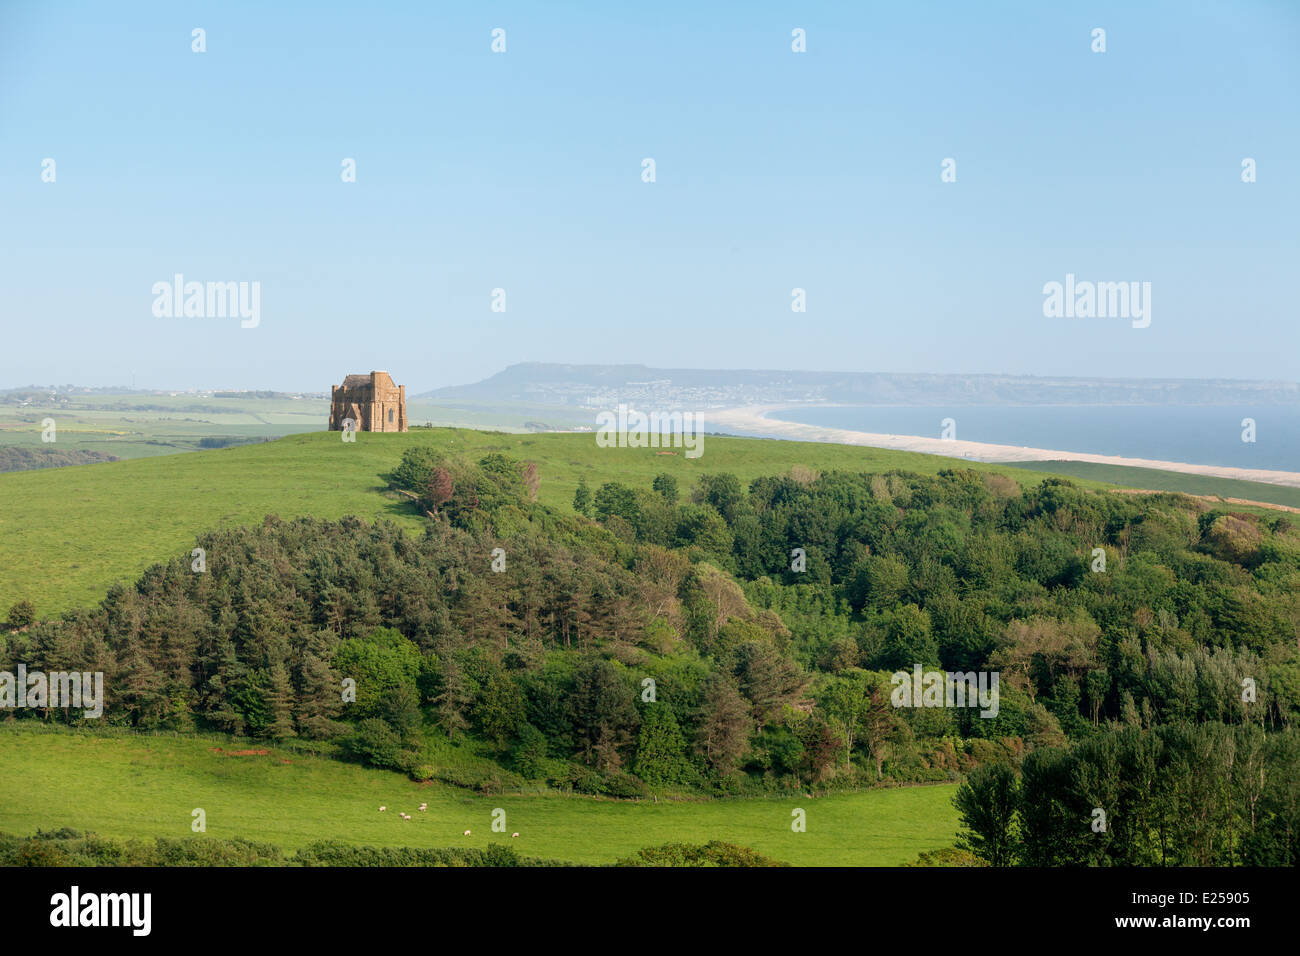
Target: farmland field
point(135, 786)
point(138, 425)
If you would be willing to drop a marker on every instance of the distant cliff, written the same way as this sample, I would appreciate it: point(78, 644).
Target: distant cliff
point(557, 384)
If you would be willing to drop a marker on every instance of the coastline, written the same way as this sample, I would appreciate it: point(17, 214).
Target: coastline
point(754, 420)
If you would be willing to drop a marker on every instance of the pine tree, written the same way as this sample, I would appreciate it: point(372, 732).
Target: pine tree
point(604, 717)
point(666, 485)
point(451, 701)
point(321, 699)
point(142, 689)
point(279, 702)
point(582, 498)
point(724, 726)
point(661, 748)
point(216, 694)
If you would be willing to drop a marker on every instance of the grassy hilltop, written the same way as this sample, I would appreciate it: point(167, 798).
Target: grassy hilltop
point(67, 534)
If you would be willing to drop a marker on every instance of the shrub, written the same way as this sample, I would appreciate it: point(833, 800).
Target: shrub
point(713, 853)
point(376, 744)
point(21, 614)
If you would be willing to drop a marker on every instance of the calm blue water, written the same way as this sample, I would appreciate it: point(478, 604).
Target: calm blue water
point(1202, 434)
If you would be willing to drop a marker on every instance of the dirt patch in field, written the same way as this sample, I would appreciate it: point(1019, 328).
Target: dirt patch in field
point(243, 753)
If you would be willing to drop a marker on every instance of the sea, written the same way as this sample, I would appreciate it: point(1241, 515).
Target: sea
point(1195, 434)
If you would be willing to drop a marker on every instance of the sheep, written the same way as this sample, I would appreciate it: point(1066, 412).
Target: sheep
point(466, 833)
point(382, 809)
point(514, 835)
point(423, 807)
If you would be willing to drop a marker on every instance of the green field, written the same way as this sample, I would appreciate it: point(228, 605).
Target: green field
point(142, 425)
point(122, 785)
point(66, 534)
point(1155, 480)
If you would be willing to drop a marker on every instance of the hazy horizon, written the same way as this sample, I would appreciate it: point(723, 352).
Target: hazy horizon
point(415, 389)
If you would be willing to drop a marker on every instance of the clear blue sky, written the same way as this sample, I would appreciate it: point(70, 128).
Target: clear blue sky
point(522, 170)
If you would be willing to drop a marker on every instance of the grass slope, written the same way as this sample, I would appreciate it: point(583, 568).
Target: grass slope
point(1155, 480)
point(66, 534)
point(128, 786)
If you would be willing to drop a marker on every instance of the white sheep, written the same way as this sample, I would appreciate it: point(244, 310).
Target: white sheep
point(382, 809)
point(466, 833)
point(514, 835)
point(423, 807)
